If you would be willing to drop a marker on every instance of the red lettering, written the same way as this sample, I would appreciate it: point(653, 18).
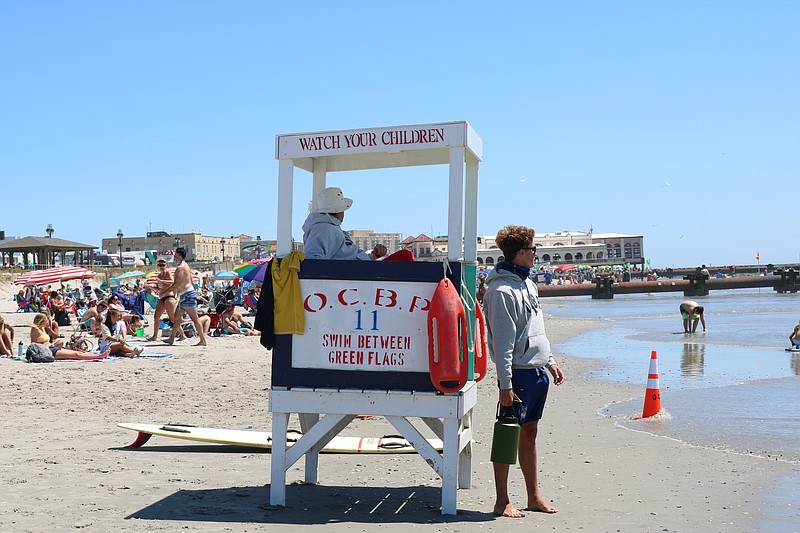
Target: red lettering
point(322, 301)
point(341, 297)
point(413, 307)
point(379, 296)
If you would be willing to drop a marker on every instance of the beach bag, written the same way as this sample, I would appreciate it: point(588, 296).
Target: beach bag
point(39, 353)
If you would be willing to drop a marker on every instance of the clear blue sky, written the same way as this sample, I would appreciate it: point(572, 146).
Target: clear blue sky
point(677, 120)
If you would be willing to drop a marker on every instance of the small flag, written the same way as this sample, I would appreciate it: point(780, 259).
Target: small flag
point(758, 256)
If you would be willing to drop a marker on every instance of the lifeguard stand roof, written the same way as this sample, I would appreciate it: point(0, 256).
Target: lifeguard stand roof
point(383, 147)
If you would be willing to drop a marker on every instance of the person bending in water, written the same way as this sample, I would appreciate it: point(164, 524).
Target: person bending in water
point(692, 313)
point(794, 337)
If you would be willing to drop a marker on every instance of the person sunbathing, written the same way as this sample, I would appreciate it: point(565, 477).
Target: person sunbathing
point(111, 336)
point(51, 328)
point(6, 339)
point(233, 323)
point(94, 313)
point(40, 336)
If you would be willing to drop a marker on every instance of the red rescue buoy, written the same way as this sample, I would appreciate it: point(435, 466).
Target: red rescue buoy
point(481, 344)
point(446, 330)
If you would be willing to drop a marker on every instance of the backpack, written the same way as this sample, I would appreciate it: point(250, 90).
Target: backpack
point(39, 353)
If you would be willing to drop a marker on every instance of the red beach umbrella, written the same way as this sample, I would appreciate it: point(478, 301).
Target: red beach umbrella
point(53, 275)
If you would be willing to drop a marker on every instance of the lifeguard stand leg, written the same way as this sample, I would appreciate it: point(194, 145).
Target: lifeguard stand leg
point(465, 455)
point(307, 420)
point(277, 487)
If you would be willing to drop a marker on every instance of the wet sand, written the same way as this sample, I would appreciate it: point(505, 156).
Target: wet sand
point(65, 465)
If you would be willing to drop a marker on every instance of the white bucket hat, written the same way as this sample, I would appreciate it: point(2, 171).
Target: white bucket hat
point(332, 200)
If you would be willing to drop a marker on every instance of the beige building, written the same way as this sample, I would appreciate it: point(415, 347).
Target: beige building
point(199, 247)
point(367, 239)
point(560, 247)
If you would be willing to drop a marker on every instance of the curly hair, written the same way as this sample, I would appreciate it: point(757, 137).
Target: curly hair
point(511, 239)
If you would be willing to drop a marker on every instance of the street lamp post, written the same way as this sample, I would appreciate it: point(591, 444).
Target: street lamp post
point(222, 242)
point(119, 243)
point(50, 255)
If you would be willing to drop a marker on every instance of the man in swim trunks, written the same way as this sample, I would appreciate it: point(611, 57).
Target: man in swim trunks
point(187, 297)
point(521, 352)
point(692, 312)
point(794, 338)
point(233, 323)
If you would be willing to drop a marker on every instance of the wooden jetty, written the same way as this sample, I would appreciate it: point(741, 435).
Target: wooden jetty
point(604, 287)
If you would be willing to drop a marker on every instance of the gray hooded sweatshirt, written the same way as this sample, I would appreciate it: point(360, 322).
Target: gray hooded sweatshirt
point(515, 325)
point(324, 238)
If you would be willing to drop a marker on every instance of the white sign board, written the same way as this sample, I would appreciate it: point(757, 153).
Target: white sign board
point(370, 140)
point(364, 325)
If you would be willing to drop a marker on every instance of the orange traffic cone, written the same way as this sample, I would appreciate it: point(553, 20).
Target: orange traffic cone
point(652, 396)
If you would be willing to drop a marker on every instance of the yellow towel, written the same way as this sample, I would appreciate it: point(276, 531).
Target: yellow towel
point(288, 303)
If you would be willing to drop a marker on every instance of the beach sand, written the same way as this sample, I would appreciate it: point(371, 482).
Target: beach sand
point(65, 465)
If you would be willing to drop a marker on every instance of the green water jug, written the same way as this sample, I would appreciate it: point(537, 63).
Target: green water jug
point(505, 439)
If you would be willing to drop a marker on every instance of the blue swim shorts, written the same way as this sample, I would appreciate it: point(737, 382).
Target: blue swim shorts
point(531, 386)
point(188, 300)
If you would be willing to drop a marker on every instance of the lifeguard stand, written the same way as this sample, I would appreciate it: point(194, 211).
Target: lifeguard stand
point(365, 344)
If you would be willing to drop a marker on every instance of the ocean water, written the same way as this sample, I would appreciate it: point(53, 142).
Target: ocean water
point(734, 388)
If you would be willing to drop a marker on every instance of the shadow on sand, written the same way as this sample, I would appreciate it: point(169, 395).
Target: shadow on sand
point(309, 505)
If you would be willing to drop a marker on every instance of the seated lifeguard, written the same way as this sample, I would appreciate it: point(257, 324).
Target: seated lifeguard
point(323, 236)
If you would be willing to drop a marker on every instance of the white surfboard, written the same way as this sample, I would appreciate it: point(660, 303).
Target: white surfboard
point(263, 439)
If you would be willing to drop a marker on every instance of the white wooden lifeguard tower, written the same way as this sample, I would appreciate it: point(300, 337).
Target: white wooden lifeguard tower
point(365, 344)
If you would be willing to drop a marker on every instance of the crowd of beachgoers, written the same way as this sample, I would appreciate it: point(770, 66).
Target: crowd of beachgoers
point(89, 322)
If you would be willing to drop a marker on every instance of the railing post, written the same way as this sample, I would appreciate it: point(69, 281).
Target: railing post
point(697, 285)
point(788, 280)
point(603, 290)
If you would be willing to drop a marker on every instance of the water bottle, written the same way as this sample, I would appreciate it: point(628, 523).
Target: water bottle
point(20, 349)
point(505, 439)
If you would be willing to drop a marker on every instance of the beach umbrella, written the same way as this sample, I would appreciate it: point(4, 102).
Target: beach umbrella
point(244, 268)
point(131, 274)
point(53, 275)
point(225, 274)
point(257, 274)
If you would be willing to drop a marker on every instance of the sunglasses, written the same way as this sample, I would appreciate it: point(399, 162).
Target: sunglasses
point(529, 248)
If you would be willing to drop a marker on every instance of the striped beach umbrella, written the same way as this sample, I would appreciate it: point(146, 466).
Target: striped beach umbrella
point(53, 275)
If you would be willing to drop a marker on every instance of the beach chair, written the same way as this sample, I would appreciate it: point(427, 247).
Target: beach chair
point(22, 304)
point(215, 329)
point(250, 304)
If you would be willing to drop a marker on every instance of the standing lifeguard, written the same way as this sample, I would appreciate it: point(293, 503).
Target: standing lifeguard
point(522, 353)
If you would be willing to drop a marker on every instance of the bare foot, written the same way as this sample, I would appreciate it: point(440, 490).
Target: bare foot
point(151, 339)
point(540, 506)
point(169, 342)
point(106, 353)
point(507, 510)
point(202, 343)
point(137, 352)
